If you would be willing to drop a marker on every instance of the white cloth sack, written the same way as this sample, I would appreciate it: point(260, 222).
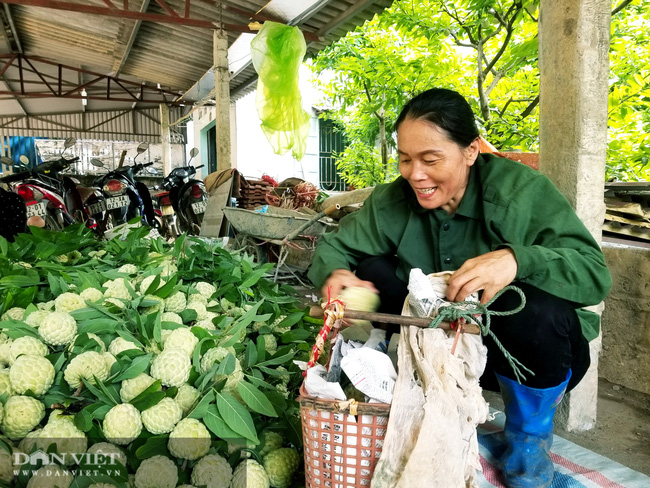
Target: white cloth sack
point(431, 439)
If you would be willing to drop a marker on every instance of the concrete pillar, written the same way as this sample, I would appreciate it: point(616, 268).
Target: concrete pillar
point(233, 134)
point(165, 139)
point(574, 69)
point(222, 98)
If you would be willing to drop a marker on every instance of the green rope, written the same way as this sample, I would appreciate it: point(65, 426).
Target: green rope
point(467, 310)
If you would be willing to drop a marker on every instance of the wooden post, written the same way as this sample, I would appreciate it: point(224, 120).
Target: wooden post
point(165, 139)
point(222, 99)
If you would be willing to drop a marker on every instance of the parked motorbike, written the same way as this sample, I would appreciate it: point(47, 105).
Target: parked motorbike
point(48, 193)
point(125, 197)
point(184, 197)
point(164, 211)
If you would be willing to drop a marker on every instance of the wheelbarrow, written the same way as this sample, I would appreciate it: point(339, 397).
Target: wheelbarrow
point(287, 236)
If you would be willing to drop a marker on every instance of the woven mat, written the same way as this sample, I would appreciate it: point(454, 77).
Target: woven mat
point(575, 466)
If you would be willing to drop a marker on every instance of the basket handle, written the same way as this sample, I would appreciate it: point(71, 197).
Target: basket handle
point(333, 315)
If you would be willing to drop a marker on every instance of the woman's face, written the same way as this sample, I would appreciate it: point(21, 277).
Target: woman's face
point(436, 167)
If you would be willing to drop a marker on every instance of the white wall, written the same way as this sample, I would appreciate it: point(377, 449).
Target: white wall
point(252, 153)
point(255, 156)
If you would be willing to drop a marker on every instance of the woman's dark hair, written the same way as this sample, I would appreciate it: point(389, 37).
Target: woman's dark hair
point(446, 109)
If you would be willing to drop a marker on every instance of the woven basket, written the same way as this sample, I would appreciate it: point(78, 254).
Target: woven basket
point(342, 440)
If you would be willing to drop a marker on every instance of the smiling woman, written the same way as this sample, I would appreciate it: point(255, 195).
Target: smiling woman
point(493, 222)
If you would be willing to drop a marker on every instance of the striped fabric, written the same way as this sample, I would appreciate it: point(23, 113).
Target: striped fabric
point(575, 466)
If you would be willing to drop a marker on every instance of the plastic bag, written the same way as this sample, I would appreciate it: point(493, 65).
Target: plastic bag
point(277, 51)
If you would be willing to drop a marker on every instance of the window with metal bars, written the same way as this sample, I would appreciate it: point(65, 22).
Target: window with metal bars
point(331, 142)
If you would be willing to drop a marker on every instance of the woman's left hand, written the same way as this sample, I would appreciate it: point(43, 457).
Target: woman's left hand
point(489, 272)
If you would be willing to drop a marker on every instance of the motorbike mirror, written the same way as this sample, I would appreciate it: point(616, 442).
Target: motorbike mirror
point(69, 142)
point(194, 152)
point(142, 147)
point(6, 161)
point(151, 170)
point(24, 160)
point(96, 162)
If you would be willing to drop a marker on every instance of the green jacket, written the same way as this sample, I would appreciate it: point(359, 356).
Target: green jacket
point(506, 204)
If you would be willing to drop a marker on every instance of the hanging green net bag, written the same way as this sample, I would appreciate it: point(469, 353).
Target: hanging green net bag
point(277, 51)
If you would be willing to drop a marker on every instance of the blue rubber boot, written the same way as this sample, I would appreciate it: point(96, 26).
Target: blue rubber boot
point(526, 462)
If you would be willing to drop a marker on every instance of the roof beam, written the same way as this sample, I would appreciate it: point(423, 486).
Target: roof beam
point(311, 11)
point(118, 64)
point(123, 13)
point(12, 40)
point(136, 91)
point(20, 105)
point(171, 17)
point(358, 6)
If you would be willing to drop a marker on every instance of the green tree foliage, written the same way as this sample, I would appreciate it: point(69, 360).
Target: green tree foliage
point(628, 150)
point(376, 69)
point(486, 50)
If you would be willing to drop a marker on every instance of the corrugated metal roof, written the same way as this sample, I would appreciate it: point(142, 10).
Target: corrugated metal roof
point(170, 55)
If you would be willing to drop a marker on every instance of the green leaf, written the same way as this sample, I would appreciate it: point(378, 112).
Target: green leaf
point(250, 357)
point(151, 289)
point(297, 335)
point(278, 401)
point(110, 390)
point(156, 445)
point(213, 421)
point(168, 288)
point(83, 420)
point(98, 411)
point(103, 310)
point(57, 359)
point(143, 398)
point(149, 401)
point(201, 408)
point(252, 278)
point(15, 329)
point(188, 315)
point(259, 382)
point(277, 360)
point(227, 365)
point(255, 399)
point(100, 394)
point(20, 280)
point(290, 320)
point(138, 365)
point(236, 416)
point(157, 328)
point(55, 286)
point(88, 314)
point(104, 325)
point(204, 380)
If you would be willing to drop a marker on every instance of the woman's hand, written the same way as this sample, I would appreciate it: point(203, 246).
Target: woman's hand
point(343, 278)
point(489, 272)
